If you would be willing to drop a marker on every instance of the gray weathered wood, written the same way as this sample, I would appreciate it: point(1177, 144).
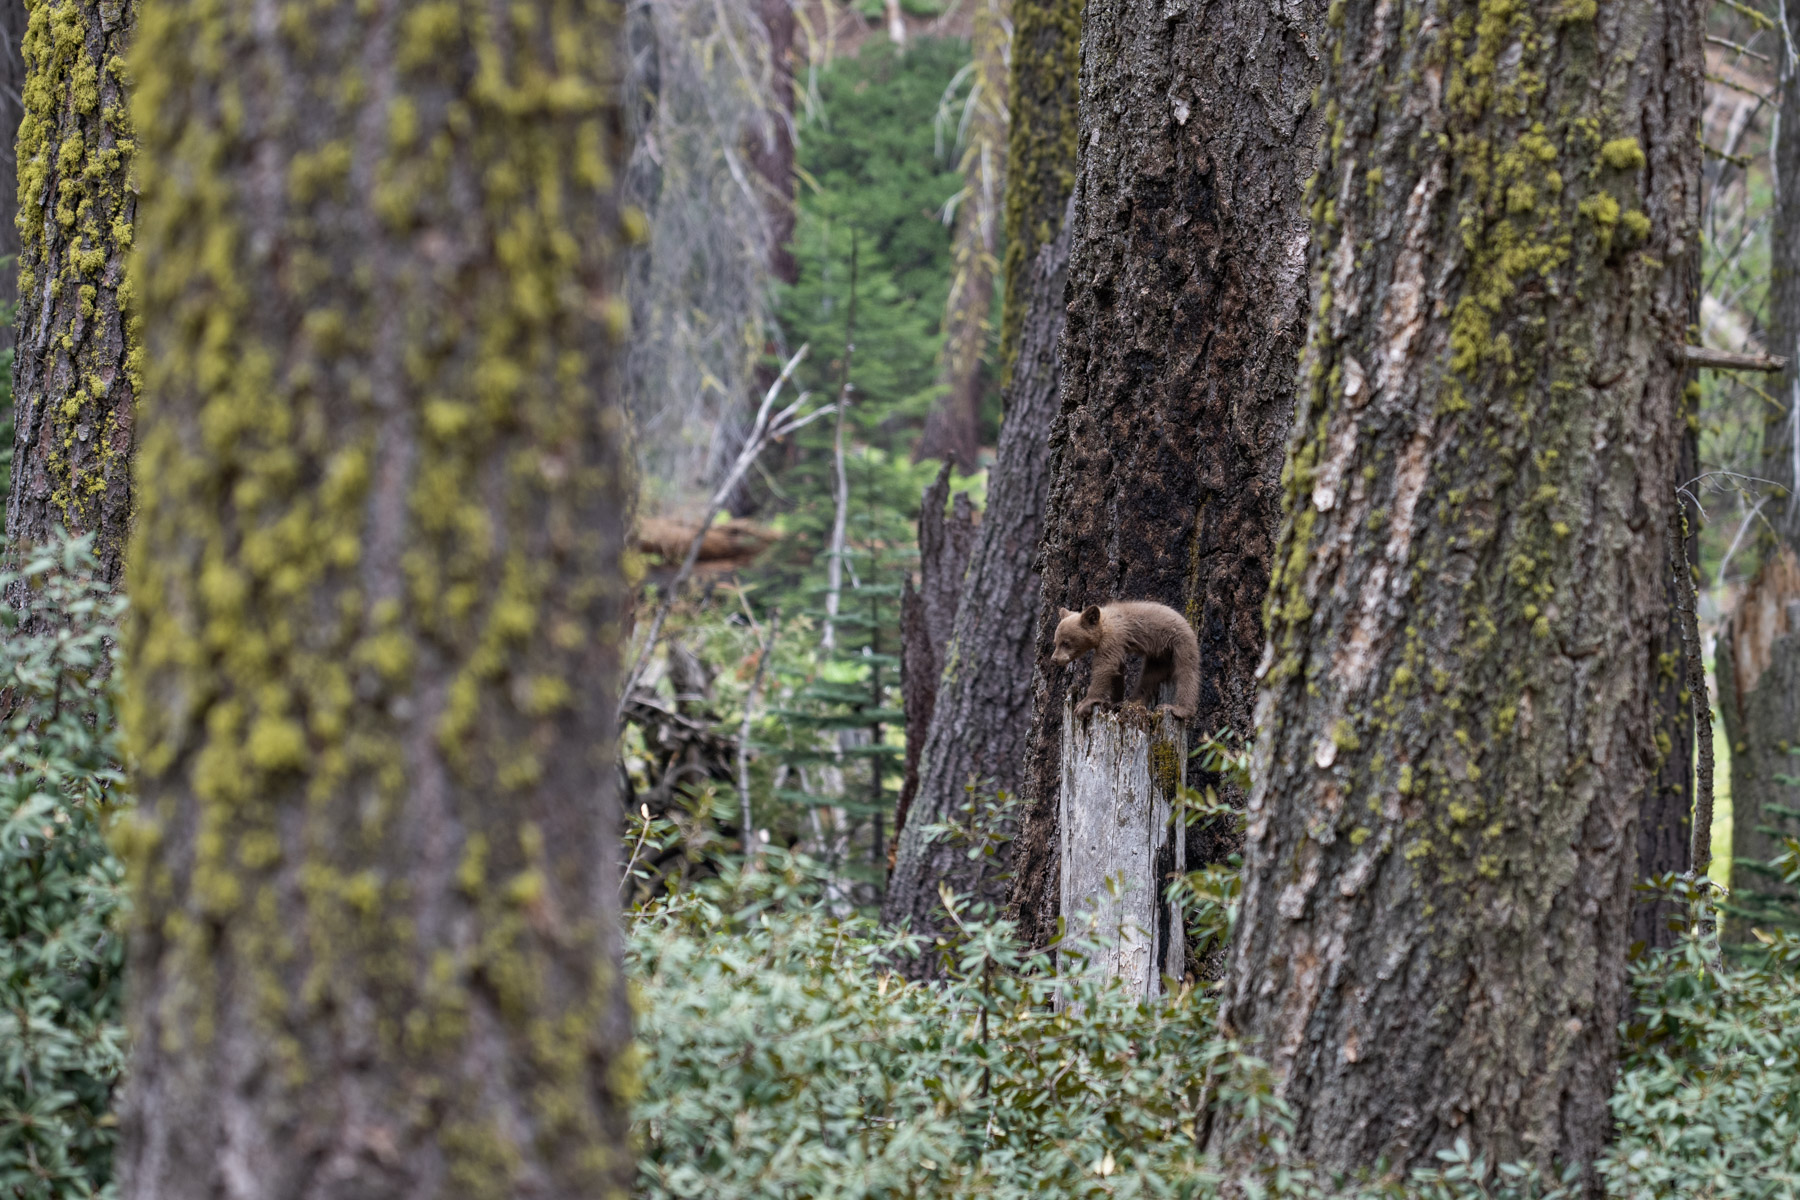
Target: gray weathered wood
point(1120, 774)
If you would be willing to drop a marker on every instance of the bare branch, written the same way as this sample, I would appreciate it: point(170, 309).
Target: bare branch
point(762, 432)
point(1726, 360)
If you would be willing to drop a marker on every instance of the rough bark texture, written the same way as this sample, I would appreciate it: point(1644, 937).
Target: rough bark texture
point(927, 617)
point(75, 377)
point(1187, 312)
point(1118, 848)
point(12, 108)
point(982, 708)
point(1456, 724)
point(1665, 815)
point(1758, 676)
point(376, 595)
point(953, 426)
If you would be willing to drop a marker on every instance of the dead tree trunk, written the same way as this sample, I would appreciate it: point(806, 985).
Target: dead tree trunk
point(982, 708)
point(1119, 847)
point(1187, 310)
point(1457, 716)
point(377, 593)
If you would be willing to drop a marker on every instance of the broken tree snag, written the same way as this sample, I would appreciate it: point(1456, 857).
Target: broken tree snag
point(1728, 360)
point(1121, 771)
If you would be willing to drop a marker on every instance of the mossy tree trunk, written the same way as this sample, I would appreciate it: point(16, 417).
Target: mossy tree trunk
point(376, 604)
point(75, 377)
point(982, 704)
point(1456, 721)
point(1187, 310)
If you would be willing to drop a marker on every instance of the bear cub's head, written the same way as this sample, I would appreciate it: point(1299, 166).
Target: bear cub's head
point(1076, 634)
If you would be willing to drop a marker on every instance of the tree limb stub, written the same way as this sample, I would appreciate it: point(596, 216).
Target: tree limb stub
point(1727, 360)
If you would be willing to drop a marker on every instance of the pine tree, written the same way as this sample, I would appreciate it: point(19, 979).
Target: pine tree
point(1457, 710)
point(376, 603)
point(1187, 311)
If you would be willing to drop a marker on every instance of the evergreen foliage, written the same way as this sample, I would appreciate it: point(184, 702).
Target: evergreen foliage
point(61, 953)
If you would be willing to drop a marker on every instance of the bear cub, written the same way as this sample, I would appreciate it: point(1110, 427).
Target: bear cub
point(1118, 631)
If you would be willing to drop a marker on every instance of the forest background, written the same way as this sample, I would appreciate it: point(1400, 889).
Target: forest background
point(830, 177)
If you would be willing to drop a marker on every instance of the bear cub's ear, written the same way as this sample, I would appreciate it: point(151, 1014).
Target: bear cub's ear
point(1063, 614)
point(1090, 616)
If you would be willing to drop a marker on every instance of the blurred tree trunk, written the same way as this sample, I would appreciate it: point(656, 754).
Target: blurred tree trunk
point(953, 427)
point(12, 107)
point(927, 619)
point(1457, 715)
point(75, 377)
point(376, 601)
point(1187, 311)
point(772, 147)
point(1759, 716)
point(982, 703)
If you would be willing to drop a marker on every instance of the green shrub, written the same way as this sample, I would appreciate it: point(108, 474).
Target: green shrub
point(1708, 1099)
point(61, 955)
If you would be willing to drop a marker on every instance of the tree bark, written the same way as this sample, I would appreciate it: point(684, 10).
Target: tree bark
point(12, 108)
point(1457, 713)
point(953, 426)
point(1187, 312)
point(927, 617)
point(1665, 816)
point(982, 707)
point(76, 370)
point(376, 604)
point(1118, 845)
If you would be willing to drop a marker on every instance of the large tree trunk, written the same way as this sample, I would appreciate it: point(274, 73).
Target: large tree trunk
point(1456, 724)
point(1187, 311)
point(982, 706)
point(1759, 714)
point(953, 426)
point(376, 595)
point(75, 377)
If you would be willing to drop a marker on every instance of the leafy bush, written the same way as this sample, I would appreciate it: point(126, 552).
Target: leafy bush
point(1708, 1101)
point(783, 1057)
point(61, 953)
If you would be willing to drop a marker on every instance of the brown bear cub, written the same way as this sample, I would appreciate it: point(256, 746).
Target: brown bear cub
point(1115, 632)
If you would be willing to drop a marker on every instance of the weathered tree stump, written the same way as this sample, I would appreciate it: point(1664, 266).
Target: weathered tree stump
point(1120, 774)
